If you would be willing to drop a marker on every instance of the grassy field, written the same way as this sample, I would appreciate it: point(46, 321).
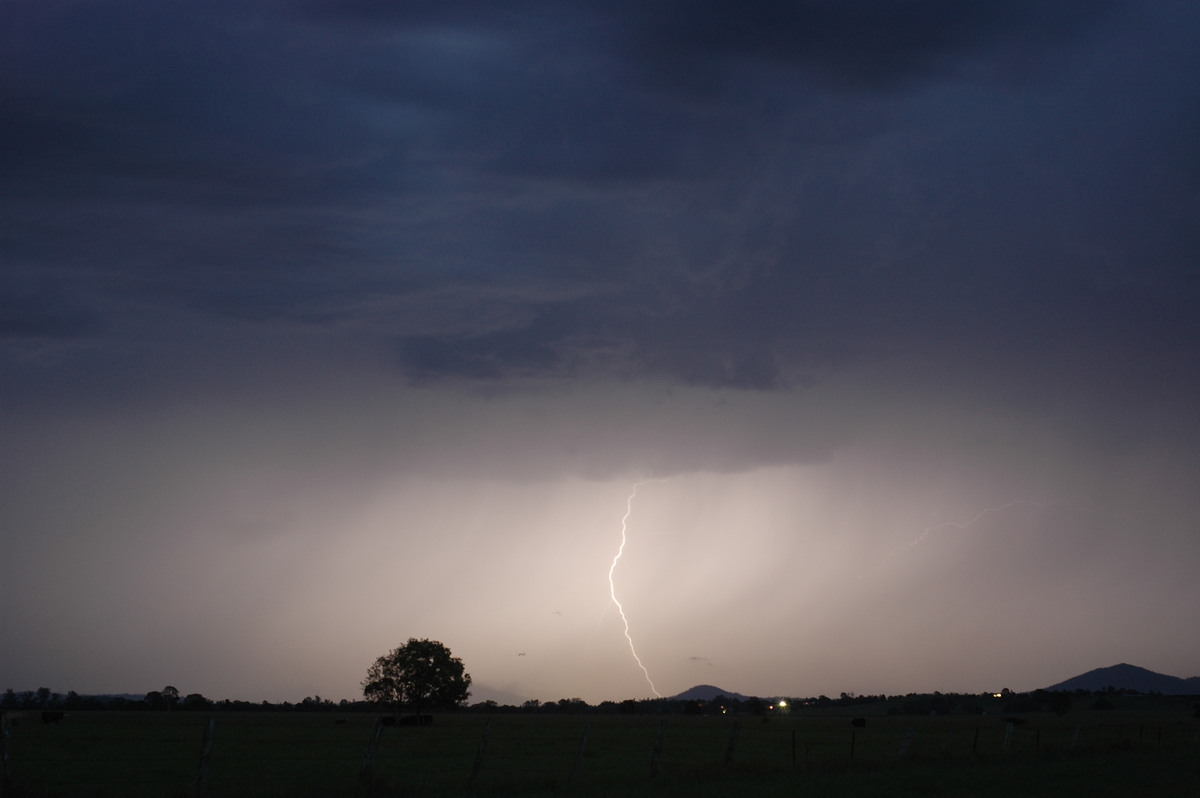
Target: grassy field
point(99, 754)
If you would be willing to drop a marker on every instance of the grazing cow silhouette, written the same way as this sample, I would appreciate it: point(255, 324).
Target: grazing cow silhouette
point(416, 720)
point(52, 716)
point(859, 723)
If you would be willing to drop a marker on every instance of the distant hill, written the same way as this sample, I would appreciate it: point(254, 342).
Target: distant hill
point(1131, 677)
point(706, 692)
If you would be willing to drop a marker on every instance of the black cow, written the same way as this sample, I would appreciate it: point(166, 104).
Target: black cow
point(416, 720)
point(859, 723)
point(53, 716)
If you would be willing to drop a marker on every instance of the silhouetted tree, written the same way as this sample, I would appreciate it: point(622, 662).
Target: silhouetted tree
point(1060, 702)
point(421, 673)
point(317, 703)
point(195, 701)
point(170, 696)
point(572, 705)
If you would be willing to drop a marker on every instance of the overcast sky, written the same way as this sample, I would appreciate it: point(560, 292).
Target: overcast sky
point(328, 324)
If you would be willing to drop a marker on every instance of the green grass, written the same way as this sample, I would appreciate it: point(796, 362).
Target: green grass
point(100, 754)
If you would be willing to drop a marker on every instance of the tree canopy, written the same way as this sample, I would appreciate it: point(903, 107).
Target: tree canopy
point(420, 674)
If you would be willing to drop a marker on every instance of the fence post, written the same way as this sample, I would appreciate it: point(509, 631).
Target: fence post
point(852, 733)
point(658, 741)
point(5, 767)
point(579, 753)
point(1008, 729)
point(487, 728)
point(793, 749)
point(975, 742)
point(904, 744)
point(372, 745)
point(1075, 736)
point(205, 750)
point(732, 744)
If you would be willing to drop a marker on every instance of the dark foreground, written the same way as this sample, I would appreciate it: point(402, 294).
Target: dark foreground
point(98, 754)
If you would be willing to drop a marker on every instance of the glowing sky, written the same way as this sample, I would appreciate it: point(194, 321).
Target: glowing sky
point(327, 324)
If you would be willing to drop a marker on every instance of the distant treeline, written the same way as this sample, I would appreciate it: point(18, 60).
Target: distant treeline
point(1006, 701)
point(935, 703)
point(168, 699)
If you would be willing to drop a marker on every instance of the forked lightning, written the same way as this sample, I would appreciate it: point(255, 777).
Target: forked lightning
point(612, 590)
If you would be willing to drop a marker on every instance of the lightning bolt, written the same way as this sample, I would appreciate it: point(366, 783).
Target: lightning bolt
point(612, 590)
point(978, 517)
point(919, 539)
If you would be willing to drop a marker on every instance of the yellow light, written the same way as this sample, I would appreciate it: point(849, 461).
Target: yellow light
point(782, 704)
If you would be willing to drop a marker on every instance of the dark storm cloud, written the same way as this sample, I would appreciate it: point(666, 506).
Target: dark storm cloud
point(28, 311)
point(737, 194)
point(862, 44)
point(805, 288)
point(532, 349)
point(151, 94)
point(699, 48)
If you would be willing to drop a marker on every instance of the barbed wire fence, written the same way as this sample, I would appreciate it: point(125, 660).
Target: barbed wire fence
point(186, 754)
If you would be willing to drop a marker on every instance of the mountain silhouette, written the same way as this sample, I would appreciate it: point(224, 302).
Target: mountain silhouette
point(706, 692)
point(1130, 677)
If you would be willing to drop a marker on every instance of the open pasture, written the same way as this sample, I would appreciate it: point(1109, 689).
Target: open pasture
point(99, 754)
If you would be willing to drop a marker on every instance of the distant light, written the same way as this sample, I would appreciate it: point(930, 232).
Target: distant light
point(782, 704)
point(997, 695)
